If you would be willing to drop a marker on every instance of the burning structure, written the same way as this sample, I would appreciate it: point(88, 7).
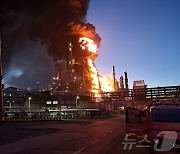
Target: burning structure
point(71, 41)
point(78, 73)
point(81, 73)
point(73, 47)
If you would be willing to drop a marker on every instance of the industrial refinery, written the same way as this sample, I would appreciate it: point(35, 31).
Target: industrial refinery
point(78, 90)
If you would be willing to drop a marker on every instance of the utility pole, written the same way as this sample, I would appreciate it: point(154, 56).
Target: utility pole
point(37, 86)
point(1, 91)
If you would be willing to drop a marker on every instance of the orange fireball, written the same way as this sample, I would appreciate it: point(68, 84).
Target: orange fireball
point(88, 43)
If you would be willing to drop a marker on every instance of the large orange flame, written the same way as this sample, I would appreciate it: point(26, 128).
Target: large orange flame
point(106, 83)
point(88, 43)
point(94, 76)
point(99, 83)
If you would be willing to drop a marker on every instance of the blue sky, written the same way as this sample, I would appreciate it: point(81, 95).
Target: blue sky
point(141, 37)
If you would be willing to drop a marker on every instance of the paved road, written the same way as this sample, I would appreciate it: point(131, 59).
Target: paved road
point(100, 136)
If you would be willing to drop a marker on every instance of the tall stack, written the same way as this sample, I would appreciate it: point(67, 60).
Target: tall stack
point(121, 81)
point(126, 81)
point(114, 79)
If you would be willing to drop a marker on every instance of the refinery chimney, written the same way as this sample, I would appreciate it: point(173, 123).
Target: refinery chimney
point(114, 78)
point(126, 80)
point(121, 81)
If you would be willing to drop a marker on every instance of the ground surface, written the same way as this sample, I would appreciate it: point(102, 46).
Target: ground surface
point(103, 136)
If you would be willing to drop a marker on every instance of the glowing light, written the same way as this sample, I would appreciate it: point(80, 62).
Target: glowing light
point(94, 76)
point(89, 44)
point(14, 72)
point(99, 83)
point(107, 83)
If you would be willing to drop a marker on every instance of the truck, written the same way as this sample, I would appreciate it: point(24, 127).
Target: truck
point(159, 123)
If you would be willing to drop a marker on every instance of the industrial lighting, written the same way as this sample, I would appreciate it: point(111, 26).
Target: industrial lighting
point(77, 97)
point(29, 104)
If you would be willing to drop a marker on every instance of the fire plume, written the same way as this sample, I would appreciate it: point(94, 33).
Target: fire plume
point(99, 83)
point(106, 83)
point(94, 76)
point(87, 43)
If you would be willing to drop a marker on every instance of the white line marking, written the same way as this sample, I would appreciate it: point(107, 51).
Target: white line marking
point(94, 142)
point(79, 150)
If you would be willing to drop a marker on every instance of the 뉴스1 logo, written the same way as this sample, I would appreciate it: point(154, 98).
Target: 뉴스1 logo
point(164, 141)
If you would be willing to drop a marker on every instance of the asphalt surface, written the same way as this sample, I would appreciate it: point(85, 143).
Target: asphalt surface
point(72, 137)
point(11, 132)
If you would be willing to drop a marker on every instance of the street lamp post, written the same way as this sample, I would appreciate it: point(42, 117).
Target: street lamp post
point(10, 105)
point(37, 85)
point(77, 97)
point(60, 105)
point(29, 103)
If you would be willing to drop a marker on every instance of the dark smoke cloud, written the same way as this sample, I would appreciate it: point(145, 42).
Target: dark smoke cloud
point(27, 25)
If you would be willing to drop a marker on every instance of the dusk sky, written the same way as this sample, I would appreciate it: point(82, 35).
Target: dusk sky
point(139, 36)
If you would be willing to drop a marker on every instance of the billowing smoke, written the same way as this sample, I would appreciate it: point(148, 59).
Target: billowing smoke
point(32, 28)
